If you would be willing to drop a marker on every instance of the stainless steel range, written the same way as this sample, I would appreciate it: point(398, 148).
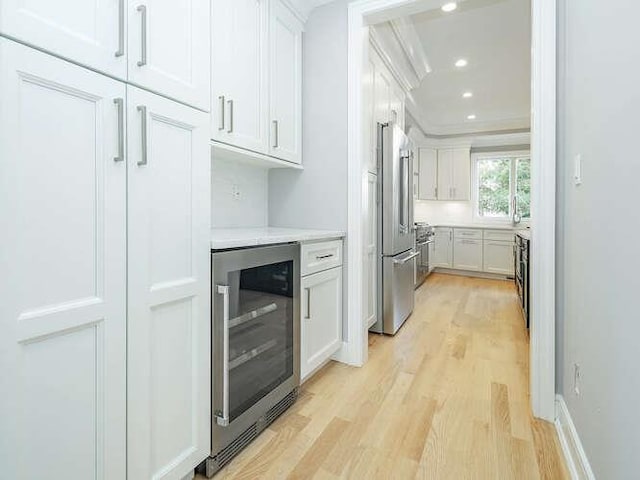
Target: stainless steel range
point(255, 344)
point(424, 239)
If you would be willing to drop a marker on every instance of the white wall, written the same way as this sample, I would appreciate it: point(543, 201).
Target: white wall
point(598, 253)
point(248, 209)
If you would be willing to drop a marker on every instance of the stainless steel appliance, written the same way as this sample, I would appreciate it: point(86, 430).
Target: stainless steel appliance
point(396, 236)
point(424, 238)
point(255, 344)
point(522, 250)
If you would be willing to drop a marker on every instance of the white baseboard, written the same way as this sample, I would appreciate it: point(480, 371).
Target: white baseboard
point(576, 458)
point(469, 273)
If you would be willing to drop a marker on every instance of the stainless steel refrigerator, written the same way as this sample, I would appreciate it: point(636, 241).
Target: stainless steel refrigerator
point(396, 267)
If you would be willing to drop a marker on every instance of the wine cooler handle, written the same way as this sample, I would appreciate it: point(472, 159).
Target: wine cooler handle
point(222, 417)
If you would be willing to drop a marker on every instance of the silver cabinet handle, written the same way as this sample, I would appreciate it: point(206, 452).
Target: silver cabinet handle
point(143, 35)
point(120, 51)
point(307, 315)
point(230, 103)
point(323, 257)
point(276, 134)
point(143, 134)
point(120, 105)
point(221, 113)
point(402, 261)
point(222, 416)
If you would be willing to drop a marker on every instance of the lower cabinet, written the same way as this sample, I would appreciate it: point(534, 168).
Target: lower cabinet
point(320, 319)
point(443, 248)
point(467, 254)
point(498, 257)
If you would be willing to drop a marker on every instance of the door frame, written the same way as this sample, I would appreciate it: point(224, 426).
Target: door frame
point(543, 200)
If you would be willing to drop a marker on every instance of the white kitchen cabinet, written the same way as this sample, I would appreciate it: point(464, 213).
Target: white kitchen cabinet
point(396, 107)
point(371, 252)
point(428, 174)
point(443, 247)
point(467, 254)
point(382, 95)
point(371, 133)
point(498, 257)
point(89, 32)
point(168, 377)
point(168, 48)
point(239, 75)
point(285, 83)
point(63, 256)
point(321, 319)
point(454, 174)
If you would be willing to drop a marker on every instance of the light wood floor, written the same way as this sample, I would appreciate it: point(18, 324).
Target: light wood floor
point(446, 398)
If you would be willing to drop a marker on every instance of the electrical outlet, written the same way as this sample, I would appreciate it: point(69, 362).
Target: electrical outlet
point(235, 192)
point(576, 379)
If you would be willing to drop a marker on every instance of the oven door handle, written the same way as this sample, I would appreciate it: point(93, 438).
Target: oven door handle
point(222, 416)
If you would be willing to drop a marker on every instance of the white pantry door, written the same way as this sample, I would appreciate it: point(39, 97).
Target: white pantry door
point(239, 103)
point(285, 100)
point(169, 49)
point(89, 32)
point(169, 351)
point(63, 280)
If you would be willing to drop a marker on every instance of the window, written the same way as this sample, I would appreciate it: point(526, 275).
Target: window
point(502, 187)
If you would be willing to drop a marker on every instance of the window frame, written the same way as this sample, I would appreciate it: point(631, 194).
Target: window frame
point(513, 156)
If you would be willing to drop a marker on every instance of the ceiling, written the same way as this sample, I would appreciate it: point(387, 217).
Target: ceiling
point(494, 36)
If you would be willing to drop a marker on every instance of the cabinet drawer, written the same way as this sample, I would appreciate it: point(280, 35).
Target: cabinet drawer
point(467, 233)
point(317, 257)
point(499, 235)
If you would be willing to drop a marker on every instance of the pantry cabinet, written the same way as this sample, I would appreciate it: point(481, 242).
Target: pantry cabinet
point(370, 273)
point(91, 33)
point(321, 304)
point(63, 255)
point(158, 45)
point(168, 381)
point(256, 71)
point(168, 48)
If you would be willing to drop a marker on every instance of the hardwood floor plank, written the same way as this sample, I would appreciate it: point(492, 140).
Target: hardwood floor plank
point(446, 398)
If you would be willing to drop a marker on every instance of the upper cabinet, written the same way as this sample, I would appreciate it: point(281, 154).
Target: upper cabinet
point(239, 107)
point(158, 45)
point(444, 174)
point(168, 49)
point(89, 32)
point(256, 72)
point(285, 98)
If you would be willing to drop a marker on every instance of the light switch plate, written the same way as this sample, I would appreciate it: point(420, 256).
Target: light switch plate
point(577, 172)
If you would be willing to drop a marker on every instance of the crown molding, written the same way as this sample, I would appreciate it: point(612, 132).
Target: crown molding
point(300, 8)
point(407, 36)
point(407, 83)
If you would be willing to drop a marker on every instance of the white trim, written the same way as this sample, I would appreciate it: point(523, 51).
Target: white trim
point(403, 80)
point(574, 454)
point(543, 208)
point(407, 37)
point(543, 200)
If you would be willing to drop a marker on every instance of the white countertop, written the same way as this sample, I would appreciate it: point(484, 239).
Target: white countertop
point(478, 226)
point(251, 237)
point(524, 233)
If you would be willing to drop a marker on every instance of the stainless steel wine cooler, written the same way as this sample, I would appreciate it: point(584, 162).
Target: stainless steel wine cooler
point(255, 344)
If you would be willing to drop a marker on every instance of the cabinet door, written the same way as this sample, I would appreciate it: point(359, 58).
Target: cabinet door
point(285, 99)
point(397, 107)
point(445, 174)
point(382, 95)
point(443, 248)
point(168, 282)
point(498, 257)
point(467, 254)
point(371, 133)
point(321, 325)
point(63, 282)
point(89, 32)
point(428, 176)
point(169, 49)
point(371, 251)
point(239, 106)
point(461, 174)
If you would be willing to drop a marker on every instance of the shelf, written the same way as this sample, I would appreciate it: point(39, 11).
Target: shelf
point(229, 152)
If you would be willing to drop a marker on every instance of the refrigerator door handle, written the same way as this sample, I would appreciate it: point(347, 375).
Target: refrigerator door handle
point(222, 415)
point(402, 261)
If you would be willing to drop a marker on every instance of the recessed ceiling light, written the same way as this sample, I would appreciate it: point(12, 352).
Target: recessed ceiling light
point(449, 7)
point(471, 117)
point(467, 94)
point(462, 62)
